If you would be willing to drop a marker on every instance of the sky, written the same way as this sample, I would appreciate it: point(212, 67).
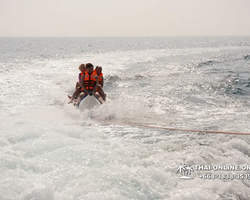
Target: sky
point(109, 18)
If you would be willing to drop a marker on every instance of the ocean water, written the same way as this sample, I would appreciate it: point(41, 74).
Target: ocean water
point(51, 151)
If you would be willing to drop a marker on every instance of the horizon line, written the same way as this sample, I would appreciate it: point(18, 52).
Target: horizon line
point(124, 36)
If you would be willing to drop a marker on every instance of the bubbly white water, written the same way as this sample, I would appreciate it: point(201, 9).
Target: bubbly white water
point(51, 151)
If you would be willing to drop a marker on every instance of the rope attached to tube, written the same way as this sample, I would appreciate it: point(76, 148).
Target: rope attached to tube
point(179, 129)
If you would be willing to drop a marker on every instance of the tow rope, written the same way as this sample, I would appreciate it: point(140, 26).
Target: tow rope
point(180, 129)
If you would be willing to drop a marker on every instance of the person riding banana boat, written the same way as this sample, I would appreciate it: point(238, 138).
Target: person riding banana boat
point(89, 82)
point(75, 95)
point(98, 70)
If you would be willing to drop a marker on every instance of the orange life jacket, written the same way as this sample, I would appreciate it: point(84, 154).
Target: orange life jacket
point(89, 80)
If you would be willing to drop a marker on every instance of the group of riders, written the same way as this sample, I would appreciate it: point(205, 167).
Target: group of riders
point(90, 83)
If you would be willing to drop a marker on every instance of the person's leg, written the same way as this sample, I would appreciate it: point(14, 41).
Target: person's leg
point(75, 95)
point(99, 97)
point(101, 92)
point(80, 96)
point(77, 85)
point(76, 91)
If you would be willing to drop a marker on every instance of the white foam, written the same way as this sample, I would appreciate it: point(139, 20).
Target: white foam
point(51, 150)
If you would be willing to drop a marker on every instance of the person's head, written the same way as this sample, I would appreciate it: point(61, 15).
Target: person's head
point(82, 68)
point(98, 70)
point(89, 68)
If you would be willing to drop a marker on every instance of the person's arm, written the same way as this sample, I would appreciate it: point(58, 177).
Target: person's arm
point(79, 78)
point(83, 86)
point(102, 82)
point(97, 81)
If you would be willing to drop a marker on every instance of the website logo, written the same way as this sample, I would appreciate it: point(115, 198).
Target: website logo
point(185, 171)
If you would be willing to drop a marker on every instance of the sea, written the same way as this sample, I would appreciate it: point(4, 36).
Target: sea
point(121, 150)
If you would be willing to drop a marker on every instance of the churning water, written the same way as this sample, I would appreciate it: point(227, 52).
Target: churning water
point(51, 151)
